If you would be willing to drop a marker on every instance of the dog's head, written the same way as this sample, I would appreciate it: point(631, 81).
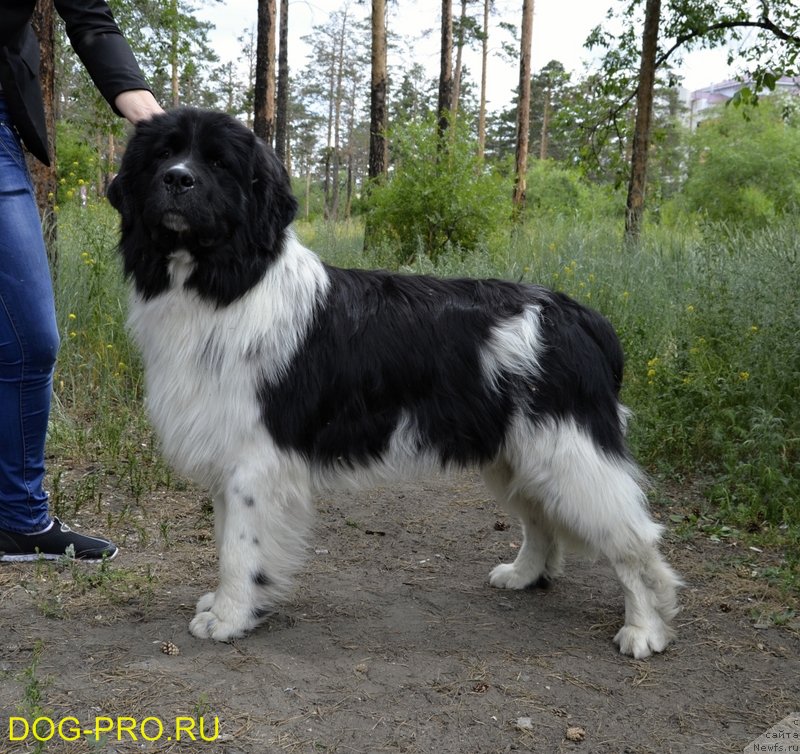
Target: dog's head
point(200, 182)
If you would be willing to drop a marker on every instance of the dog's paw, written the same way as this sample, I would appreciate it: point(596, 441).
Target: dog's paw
point(205, 603)
point(207, 625)
point(641, 642)
point(508, 576)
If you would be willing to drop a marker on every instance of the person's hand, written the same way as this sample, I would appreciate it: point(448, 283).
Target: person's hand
point(137, 105)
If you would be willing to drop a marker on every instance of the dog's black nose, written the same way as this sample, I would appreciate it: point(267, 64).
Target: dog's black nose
point(179, 179)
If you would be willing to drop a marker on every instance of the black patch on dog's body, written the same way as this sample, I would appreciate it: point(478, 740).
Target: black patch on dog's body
point(412, 348)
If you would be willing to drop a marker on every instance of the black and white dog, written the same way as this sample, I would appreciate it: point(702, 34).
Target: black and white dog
point(271, 375)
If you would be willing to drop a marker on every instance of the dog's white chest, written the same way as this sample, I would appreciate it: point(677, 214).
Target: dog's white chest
point(200, 385)
point(205, 365)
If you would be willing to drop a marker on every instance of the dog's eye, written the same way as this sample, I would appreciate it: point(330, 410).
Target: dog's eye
point(215, 163)
point(164, 154)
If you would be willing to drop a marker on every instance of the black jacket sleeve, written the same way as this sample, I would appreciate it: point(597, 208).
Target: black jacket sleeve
point(103, 50)
point(96, 38)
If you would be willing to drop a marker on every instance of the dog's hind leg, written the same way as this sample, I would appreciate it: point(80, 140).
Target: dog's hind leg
point(261, 543)
point(540, 558)
point(595, 497)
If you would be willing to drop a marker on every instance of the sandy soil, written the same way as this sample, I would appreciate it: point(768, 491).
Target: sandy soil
point(392, 642)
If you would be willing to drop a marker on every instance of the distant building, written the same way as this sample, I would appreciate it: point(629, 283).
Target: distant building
point(699, 101)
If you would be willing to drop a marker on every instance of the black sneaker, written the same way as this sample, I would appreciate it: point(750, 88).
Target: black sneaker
point(58, 541)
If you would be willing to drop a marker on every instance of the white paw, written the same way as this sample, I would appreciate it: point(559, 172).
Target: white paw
point(205, 603)
point(207, 625)
point(507, 576)
point(641, 642)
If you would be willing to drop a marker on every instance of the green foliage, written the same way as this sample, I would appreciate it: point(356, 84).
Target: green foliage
point(555, 189)
point(440, 197)
point(310, 198)
point(744, 169)
point(768, 37)
point(77, 163)
point(768, 46)
point(98, 381)
point(714, 376)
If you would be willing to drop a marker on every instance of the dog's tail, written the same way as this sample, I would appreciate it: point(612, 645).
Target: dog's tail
point(600, 330)
point(587, 361)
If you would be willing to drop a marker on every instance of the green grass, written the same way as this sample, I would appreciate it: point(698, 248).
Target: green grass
point(97, 410)
point(709, 319)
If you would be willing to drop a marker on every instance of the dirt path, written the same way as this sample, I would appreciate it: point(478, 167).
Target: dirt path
point(393, 642)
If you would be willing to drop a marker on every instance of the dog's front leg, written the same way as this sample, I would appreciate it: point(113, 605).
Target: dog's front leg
point(206, 602)
point(261, 542)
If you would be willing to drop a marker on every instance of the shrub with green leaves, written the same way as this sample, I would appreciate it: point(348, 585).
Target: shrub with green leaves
point(744, 165)
point(556, 189)
point(77, 164)
point(439, 197)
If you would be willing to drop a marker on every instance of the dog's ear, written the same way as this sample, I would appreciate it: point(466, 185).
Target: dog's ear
point(115, 194)
point(276, 204)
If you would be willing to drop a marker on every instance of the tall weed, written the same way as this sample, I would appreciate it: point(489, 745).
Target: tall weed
point(97, 412)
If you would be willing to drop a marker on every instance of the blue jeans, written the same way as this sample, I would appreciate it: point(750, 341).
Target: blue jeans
point(28, 343)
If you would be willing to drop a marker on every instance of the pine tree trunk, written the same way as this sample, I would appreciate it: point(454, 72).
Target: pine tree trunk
point(459, 59)
point(378, 115)
point(282, 107)
point(329, 141)
point(264, 95)
point(445, 101)
point(337, 120)
point(173, 55)
point(641, 131)
point(523, 109)
point(348, 205)
point(544, 137)
point(484, 62)
point(44, 176)
point(378, 118)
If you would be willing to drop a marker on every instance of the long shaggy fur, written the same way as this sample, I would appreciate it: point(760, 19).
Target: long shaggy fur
point(271, 375)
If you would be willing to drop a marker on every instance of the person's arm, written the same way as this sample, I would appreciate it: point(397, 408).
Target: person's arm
point(137, 104)
point(107, 56)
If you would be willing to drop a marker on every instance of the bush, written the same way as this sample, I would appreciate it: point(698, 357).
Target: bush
point(743, 170)
point(76, 166)
point(554, 189)
point(437, 199)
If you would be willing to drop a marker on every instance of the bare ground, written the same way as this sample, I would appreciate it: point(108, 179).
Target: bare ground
point(392, 642)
